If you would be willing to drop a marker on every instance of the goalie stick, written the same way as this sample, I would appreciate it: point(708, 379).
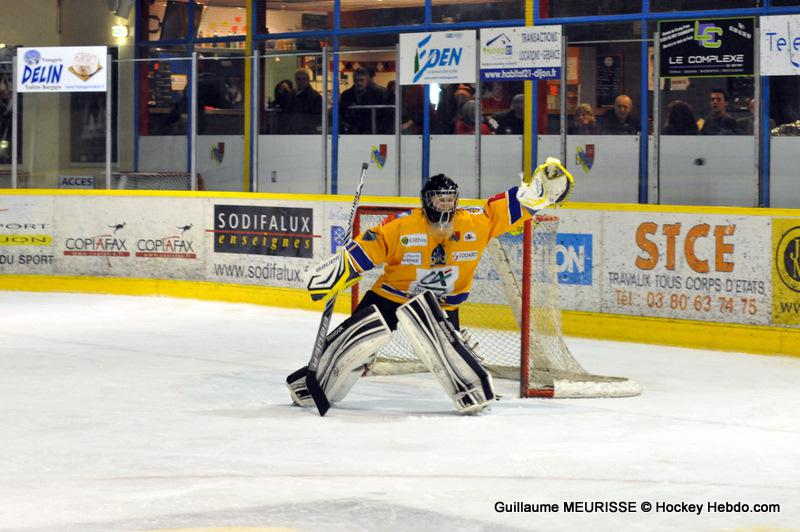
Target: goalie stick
point(312, 384)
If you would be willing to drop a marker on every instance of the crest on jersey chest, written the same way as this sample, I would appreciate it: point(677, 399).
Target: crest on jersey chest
point(438, 256)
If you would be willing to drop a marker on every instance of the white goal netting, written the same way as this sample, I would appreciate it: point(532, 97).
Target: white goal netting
point(154, 181)
point(514, 312)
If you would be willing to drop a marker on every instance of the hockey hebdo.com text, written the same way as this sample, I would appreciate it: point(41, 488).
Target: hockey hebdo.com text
point(629, 507)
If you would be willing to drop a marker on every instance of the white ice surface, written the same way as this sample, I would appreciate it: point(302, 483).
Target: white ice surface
point(134, 413)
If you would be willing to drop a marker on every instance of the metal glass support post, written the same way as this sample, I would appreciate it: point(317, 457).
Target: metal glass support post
point(765, 134)
point(756, 115)
point(14, 122)
point(478, 117)
point(324, 119)
point(563, 99)
point(655, 196)
point(256, 114)
point(426, 133)
point(644, 130)
point(194, 114)
point(335, 127)
point(109, 111)
point(398, 119)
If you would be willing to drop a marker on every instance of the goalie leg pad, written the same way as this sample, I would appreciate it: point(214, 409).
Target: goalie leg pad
point(440, 347)
point(350, 347)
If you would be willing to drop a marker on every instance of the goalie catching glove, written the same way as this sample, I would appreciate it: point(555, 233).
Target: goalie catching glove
point(551, 185)
point(331, 276)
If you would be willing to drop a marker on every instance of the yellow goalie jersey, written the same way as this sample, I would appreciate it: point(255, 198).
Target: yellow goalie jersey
point(414, 261)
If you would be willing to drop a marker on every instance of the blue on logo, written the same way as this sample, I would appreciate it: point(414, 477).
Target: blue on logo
point(574, 258)
point(32, 58)
point(425, 58)
point(337, 237)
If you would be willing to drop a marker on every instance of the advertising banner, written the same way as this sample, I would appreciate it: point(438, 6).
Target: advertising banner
point(707, 47)
point(780, 45)
point(710, 267)
point(273, 244)
point(515, 54)
point(439, 57)
point(786, 271)
point(579, 264)
point(160, 238)
point(26, 235)
point(687, 266)
point(62, 69)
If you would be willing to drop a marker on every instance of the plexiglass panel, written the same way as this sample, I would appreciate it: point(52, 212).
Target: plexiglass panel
point(784, 116)
point(366, 107)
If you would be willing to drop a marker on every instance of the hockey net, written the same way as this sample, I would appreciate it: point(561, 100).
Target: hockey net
point(155, 181)
point(514, 311)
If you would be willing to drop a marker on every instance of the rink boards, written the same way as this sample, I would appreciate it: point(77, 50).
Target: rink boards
point(725, 278)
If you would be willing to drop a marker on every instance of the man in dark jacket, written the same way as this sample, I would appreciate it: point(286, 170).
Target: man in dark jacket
point(511, 122)
point(622, 121)
point(358, 121)
point(303, 115)
point(719, 122)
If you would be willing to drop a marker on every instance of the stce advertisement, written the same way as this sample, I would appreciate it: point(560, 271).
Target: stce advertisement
point(688, 266)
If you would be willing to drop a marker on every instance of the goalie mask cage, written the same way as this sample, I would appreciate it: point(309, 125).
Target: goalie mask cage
point(514, 312)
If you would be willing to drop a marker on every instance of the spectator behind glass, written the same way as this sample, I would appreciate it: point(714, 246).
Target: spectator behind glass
point(372, 72)
point(303, 112)
point(718, 121)
point(622, 121)
point(746, 124)
point(465, 123)
point(681, 119)
point(451, 98)
point(512, 121)
point(358, 121)
point(282, 95)
point(584, 122)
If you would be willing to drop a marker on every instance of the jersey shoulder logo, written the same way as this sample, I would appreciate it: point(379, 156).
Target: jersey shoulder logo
point(369, 236)
point(470, 236)
point(474, 210)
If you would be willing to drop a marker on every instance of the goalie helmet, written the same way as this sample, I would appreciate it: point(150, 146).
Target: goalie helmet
point(439, 199)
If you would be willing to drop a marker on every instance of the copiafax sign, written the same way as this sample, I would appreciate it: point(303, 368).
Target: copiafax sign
point(780, 45)
point(62, 69)
point(440, 57)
